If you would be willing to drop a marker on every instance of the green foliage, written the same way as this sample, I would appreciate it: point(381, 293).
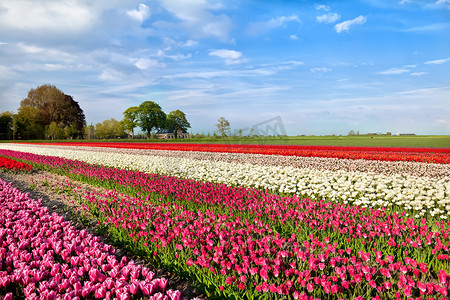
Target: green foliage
point(131, 119)
point(176, 120)
point(109, 129)
point(223, 127)
point(6, 125)
point(151, 117)
point(54, 131)
point(45, 105)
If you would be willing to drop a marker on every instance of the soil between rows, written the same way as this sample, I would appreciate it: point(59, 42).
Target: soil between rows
point(63, 206)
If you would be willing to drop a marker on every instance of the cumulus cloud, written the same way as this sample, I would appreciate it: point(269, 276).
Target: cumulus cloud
point(45, 17)
point(293, 37)
point(328, 18)
point(437, 61)
point(231, 56)
point(345, 26)
point(140, 15)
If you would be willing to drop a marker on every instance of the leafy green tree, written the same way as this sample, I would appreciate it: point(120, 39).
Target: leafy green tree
point(89, 131)
point(131, 119)
point(109, 129)
point(26, 123)
point(70, 131)
point(223, 126)
point(46, 104)
point(176, 120)
point(6, 125)
point(151, 117)
point(54, 131)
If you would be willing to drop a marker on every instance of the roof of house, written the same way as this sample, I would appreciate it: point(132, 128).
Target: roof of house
point(165, 131)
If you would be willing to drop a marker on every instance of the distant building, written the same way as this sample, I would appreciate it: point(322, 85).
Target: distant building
point(169, 134)
point(402, 134)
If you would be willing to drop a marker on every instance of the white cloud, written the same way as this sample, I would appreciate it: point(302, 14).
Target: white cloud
point(230, 56)
point(345, 26)
point(418, 73)
point(323, 7)
point(2, 43)
point(197, 18)
point(145, 63)
point(45, 17)
point(328, 18)
point(140, 15)
point(189, 43)
point(280, 21)
point(320, 70)
point(259, 27)
point(437, 61)
point(54, 67)
point(293, 37)
point(404, 1)
point(429, 27)
point(110, 75)
point(443, 3)
point(395, 71)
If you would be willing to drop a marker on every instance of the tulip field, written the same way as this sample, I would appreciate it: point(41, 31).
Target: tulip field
point(244, 222)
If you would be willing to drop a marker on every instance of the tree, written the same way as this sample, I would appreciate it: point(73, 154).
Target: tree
point(109, 129)
point(223, 127)
point(151, 117)
point(26, 123)
point(176, 120)
point(6, 125)
point(54, 131)
point(46, 104)
point(131, 119)
point(89, 131)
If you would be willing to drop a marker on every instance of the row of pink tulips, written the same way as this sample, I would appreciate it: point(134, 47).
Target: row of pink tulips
point(44, 257)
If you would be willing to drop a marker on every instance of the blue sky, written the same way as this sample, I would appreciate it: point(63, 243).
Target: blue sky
point(323, 67)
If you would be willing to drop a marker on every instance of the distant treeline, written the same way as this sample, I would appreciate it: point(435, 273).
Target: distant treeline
point(48, 113)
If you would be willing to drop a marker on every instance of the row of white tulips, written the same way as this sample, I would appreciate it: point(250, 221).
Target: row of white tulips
point(420, 195)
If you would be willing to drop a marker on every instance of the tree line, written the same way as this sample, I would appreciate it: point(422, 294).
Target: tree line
point(48, 113)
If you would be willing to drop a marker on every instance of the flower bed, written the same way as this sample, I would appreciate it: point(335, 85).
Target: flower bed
point(268, 245)
point(44, 257)
point(434, 155)
point(241, 242)
point(388, 168)
point(10, 165)
point(420, 196)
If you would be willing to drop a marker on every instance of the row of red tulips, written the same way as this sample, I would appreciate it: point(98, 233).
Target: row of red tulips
point(44, 257)
point(12, 165)
point(346, 228)
point(428, 155)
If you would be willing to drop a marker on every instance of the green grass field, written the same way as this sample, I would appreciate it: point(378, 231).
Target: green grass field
point(434, 141)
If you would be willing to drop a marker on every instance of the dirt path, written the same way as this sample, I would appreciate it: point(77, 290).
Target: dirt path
point(39, 185)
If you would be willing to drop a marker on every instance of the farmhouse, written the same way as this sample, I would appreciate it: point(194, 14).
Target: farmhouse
point(169, 134)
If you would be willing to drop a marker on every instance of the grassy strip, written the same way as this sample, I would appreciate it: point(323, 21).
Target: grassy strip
point(434, 141)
